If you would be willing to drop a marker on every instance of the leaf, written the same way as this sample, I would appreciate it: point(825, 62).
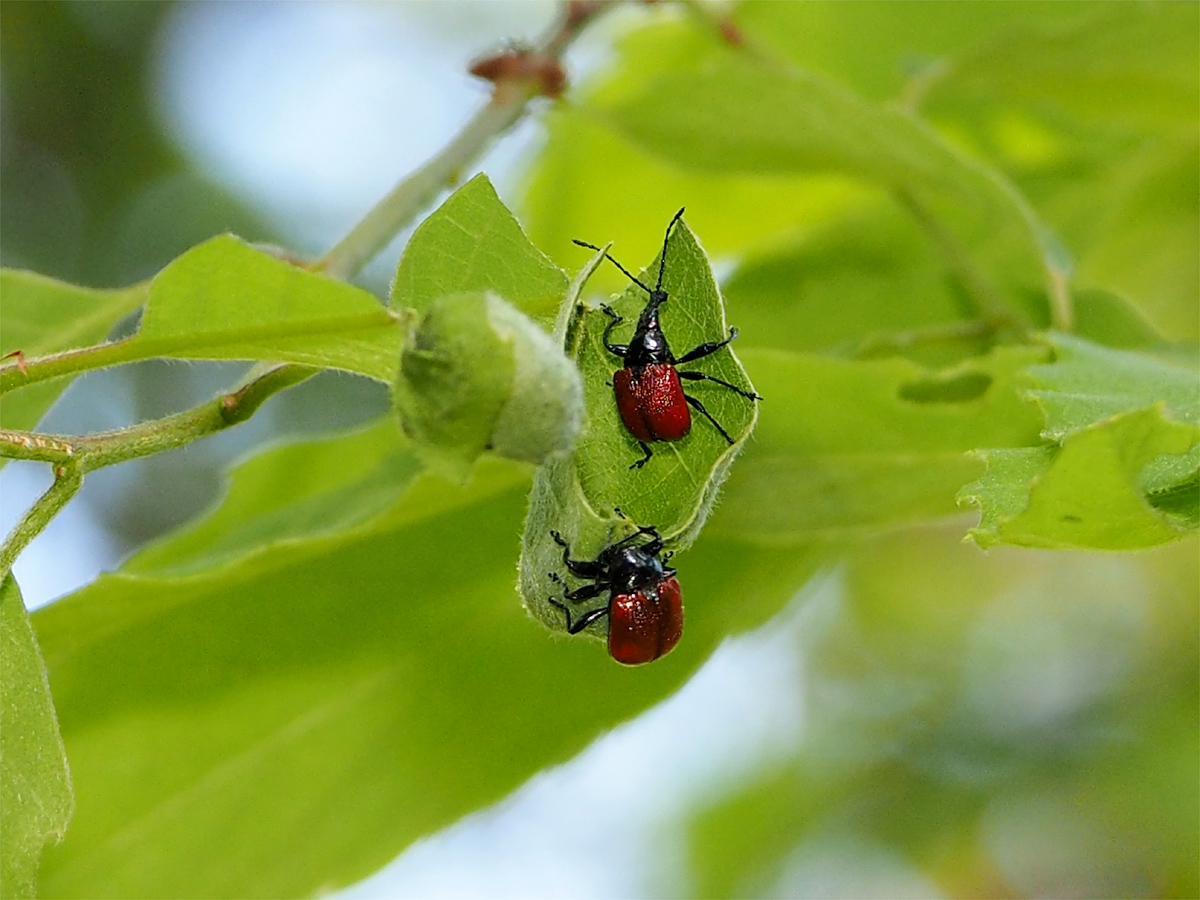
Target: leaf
point(41, 316)
point(1088, 384)
point(35, 786)
point(706, 106)
point(853, 445)
point(847, 285)
point(227, 300)
point(289, 494)
point(473, 243)
point(1087, 494)
point(286, 722)
point(1120, 62)
point(731, 210)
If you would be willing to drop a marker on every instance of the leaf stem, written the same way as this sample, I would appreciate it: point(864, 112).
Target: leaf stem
point(989, 304)
point(95, 451)
point(416, 191)
point(68, 477)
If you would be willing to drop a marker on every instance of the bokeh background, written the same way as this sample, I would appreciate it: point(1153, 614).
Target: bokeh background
point(922, 720)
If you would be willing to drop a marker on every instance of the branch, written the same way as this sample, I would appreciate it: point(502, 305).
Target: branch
point(517, 82)
point(68, 477)
point(95, 451)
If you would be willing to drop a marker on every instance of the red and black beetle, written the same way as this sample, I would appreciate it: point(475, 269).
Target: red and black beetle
point(650, 398)
point(645, 604)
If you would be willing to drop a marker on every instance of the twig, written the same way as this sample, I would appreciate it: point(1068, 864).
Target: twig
point(416, 191)
point(68, 477)
point(95, 451)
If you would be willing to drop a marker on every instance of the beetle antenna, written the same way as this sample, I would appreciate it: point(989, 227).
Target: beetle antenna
point(662, 263)
point(617, 264)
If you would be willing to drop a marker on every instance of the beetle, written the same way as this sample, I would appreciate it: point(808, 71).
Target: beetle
point(649, 395)
point(645, 603)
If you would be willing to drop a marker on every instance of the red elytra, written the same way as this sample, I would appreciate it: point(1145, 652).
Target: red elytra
point(652, 403)
point(646, 624)
point(650, 398)
point(645, 603)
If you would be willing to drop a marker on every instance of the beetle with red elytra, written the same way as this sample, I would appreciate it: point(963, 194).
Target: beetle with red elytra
point(649, 395)
point(645, 603)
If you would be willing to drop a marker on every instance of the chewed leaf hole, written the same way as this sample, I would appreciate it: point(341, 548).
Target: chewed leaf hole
point(959, 389)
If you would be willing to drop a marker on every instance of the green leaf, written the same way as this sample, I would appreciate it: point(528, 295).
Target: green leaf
point(703, 105)
point(288, 494)
point(1088, 384)
point(1119, 62)
point(308, 710)
point(864, 444)
point(35, 786)
point(731, 210)
point(1112, 321)
point(44, 316)
point(1090, 493)
point(854, 282)
point(227, 300)
point(473, 243)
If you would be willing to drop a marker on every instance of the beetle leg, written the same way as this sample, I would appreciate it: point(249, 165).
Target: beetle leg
point(645, 459)
point(587, 592)
point(705, 349)
point(645, 529)
point(583, 621)
point(583, 568)
point(700, 376)
point(699, 407)
point(620, 350)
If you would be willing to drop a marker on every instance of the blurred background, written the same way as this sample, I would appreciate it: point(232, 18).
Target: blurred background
point(922, 720)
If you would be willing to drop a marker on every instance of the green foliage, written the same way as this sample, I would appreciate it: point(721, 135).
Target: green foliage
point(334, 660)
point(473, 243)
point(861, 445)
point(1086, 494)
point(366, 668)
point(228, 300)
point(35, 787)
